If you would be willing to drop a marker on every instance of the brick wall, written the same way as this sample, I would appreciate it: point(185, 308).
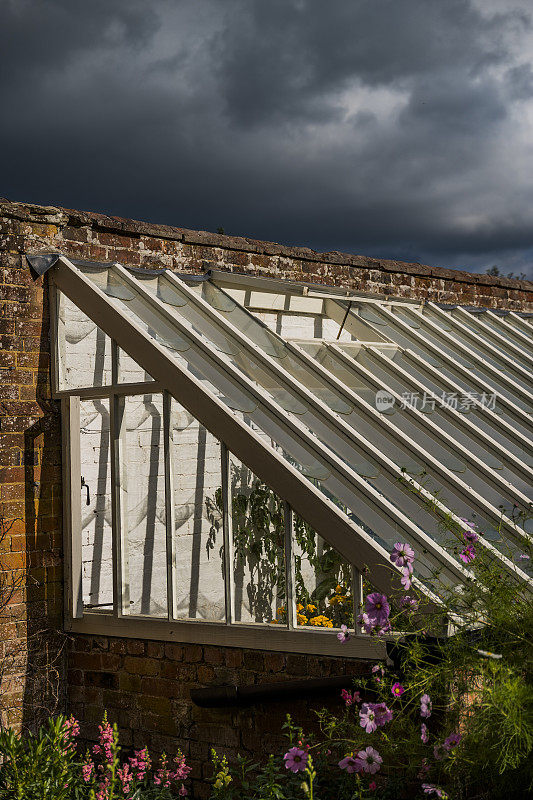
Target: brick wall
point(99, 237)
point(30, 496)
point(145, 685)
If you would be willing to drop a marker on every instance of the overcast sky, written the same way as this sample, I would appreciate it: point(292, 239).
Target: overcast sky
point(393, 128)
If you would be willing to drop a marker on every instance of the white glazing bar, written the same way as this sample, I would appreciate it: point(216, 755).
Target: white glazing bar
point(466, 374)
point(500, 339)
point(169, 506)
point(485, 472)
point(492, 372)
point(290, 595)
point(506, 361)
point(496, 420)
point(227, 532)
point(121, 593)
point(522, 323)
point(70, 437)
point(269, 412)
point(98, 392)
point(357, 590)
point(472, 496)
point(520, 337)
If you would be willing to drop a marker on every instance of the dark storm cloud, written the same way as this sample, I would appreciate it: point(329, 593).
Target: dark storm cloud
point(395, 128)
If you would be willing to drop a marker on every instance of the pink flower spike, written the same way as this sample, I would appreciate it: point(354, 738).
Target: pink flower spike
point(424, 733)
point(397, 689)
point(295, 759)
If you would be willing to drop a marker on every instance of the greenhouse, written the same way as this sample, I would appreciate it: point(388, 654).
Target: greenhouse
point(250, 450)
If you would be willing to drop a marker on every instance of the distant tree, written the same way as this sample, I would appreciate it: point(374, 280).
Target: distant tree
point(220, 229)
point(495, 270)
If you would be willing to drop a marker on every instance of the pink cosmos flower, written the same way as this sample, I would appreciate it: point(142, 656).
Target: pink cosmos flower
point(343, 634)
point(369, 760)
point(377, 608)
point(373, 716)
point(397, 689)
point(383, 714)
point(424, 733)
point(295, 759)
point(426, 706)
point(471, 535)
point(366, 623)
point(372, 786)
point(383, 629)
point(409, 602)
point(405, 580)
point(367, 718)
point(468, 554)
point(452, 741)
point(350, 764)
point(402, 554)
point(430, 789)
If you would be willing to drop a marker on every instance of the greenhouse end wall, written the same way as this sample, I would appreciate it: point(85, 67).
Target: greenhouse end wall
point(145, 685)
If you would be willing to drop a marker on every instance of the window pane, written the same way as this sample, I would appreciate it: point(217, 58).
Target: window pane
point(144, 479)
point(83, 348)
point(258, 544)
point(199, 588)
point(323, 580)
point(129, 371)
point(97, 575)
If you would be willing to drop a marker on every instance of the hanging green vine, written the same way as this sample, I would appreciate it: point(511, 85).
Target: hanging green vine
point(322, 577)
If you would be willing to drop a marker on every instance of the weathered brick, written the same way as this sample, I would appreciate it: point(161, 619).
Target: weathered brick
point(141, 666)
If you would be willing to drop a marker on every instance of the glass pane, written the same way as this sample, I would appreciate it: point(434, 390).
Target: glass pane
point(259, 547)
point(129, 371)
point(199, 588)
point(144, 479)
point(323, 581)
point(83, 348)
point(97, 575)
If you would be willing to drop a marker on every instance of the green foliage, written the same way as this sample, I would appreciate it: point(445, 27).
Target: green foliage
point(38, 767)
point(480, 680)
point(47, 766)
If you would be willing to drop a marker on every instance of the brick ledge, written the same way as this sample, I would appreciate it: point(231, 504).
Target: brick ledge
point(63, 217)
